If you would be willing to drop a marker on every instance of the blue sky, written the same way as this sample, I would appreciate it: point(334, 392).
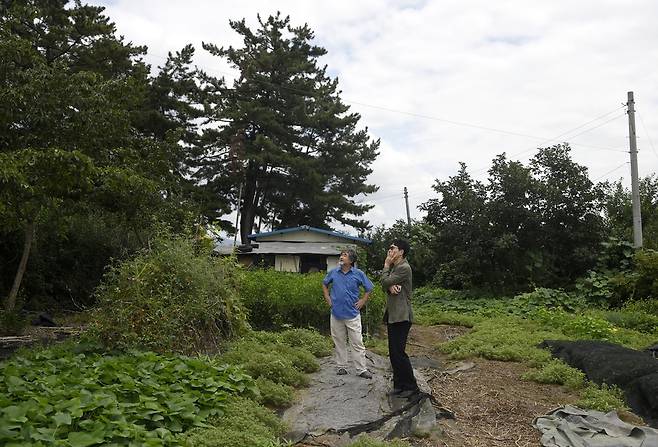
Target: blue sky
point(448, 81)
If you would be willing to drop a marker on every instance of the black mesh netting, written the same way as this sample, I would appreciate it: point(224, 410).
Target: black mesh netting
point(635, 372)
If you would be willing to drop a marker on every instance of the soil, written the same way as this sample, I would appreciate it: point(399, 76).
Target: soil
point(492, 405)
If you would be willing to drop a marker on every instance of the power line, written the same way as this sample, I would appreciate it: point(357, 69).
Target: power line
point(611, 171)
point(646, 132)
point(434, 118)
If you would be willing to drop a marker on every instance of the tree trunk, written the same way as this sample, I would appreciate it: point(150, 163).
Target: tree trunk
point(10, 304)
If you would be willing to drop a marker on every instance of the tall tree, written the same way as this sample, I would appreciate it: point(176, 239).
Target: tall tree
point(284, 134)
point(70, 92)
point(460, 222)
point(513, 228)
point(570, 208)
point(619, 210)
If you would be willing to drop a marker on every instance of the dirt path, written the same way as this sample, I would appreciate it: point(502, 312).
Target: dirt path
point(493, 407)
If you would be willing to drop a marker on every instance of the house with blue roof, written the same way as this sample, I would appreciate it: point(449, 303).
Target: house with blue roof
point(302, 249)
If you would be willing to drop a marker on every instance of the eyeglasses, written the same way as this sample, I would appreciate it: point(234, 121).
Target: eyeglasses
point(392, 247)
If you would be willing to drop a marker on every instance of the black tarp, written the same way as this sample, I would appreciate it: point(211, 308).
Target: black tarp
point(635, 372)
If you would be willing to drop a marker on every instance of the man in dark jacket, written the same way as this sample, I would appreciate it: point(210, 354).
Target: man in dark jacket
point(396, 282)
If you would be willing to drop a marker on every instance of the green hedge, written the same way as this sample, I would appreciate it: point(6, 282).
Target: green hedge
point(278, 299)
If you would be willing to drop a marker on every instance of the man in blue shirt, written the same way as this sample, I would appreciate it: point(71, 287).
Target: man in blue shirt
point(346, 282)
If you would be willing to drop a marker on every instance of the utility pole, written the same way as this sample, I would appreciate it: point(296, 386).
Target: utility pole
point(406, 201)
point(635, 187)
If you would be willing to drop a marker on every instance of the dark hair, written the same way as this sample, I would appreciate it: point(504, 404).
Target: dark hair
point(351, 253)
point(402, 245)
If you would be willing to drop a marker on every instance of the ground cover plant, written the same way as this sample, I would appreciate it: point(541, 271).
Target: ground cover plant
point(80, 395)
point(278, 299)
point(510, 330)
point(61, 396)
point(278, 361)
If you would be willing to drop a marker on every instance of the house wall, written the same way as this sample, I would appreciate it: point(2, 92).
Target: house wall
point(287, 263)
point(332, 262)
point(303, 236)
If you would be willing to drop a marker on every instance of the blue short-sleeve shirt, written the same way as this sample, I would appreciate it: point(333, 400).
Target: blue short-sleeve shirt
point(345, 291)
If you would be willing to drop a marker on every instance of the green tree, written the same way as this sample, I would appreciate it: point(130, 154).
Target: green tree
point(32, 180)
point(285, 134)
point(460, 221)
point(421, 256)
point(513, 228)
point(619, 210)
point(71, 93)
point(569, 207)
point(536, 225)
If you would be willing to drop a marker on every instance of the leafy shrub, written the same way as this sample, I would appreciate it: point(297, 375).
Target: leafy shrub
point(634, 280)
point(646, 262)
point(57, 396)
point(557, 372)
point(639, 321)
point(244, 423)
point(280, 299)
point(542, 298)
point(377, 345)
point(602, 398)
point(169, 298)
point(647, 306)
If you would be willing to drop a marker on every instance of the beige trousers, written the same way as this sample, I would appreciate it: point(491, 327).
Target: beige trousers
point(341, 331)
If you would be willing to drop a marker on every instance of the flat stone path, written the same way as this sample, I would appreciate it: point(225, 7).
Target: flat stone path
point(334, 409)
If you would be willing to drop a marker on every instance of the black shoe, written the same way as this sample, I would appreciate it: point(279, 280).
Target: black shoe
point(341, 371)
point(408, 393)
point(395, 392)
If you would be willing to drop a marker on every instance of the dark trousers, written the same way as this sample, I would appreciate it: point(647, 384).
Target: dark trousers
point(403, 373)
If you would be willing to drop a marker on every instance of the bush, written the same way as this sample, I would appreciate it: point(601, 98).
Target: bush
point(647, 306)
point(542, 298)
point(169, 298)
point(279, 299)
point(638, 321)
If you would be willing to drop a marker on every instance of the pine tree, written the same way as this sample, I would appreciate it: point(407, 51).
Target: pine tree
point(284, 135)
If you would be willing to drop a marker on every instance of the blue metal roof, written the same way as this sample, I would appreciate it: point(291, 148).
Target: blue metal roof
point(312, 229)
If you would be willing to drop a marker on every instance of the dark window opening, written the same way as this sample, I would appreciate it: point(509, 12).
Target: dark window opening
point(313, 263)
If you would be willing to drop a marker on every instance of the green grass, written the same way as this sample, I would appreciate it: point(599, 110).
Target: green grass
point(503, 338)
point(510, 330)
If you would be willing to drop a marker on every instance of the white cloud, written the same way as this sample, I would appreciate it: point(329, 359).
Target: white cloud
point(534, 68)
